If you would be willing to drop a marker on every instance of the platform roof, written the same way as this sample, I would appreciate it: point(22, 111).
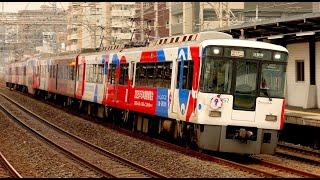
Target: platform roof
point(287, 26)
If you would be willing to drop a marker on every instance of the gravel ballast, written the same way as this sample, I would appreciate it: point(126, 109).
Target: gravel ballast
point(33, 158)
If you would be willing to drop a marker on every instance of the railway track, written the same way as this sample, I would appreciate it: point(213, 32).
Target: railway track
point(260, 167)
point(298, 153)
point(100, 160)
point(281, 170)
point(6, 169)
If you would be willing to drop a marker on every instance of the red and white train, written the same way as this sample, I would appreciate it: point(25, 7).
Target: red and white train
point(206, 89)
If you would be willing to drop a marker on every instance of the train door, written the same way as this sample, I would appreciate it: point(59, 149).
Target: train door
point(81, 67)
point(183, 87)
point(185, 96)
point(122, 85)
point(245, 90)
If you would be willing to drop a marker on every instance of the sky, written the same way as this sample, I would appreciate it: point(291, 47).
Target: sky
point(16, 6)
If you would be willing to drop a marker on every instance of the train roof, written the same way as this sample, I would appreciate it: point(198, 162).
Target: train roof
point(244, 43)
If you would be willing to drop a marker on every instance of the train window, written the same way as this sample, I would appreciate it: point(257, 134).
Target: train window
point(245, 88)
point(124, 76)
point(111, 74)
point(272, 80)
point(216, 76)
point(100, 73)
point(71, 73)
point(80, 69)
point(50, 72)
point(89, 72)
point(141, 77)
point(167, 71)
point(150, 74)
point(54, 72)
point(177, 39)
point(185, 82)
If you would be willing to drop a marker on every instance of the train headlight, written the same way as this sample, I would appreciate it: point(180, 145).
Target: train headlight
point(277, 56)
point(215, 113)
point(216, 51)
point(271, 118)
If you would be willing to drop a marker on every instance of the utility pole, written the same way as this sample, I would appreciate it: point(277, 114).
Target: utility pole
point(257, 8)
point(156, 30)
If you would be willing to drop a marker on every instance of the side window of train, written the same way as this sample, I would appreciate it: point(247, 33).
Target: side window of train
point(167, 72)
point(187, 76)
point(89, 72)
point(100, 73)
point(71, 73)
point(124, 75)
point(150, 74)
point(111, 73)
point(140, 79)
point(163, 71)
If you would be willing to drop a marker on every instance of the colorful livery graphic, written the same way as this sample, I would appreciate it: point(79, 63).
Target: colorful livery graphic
point(206, 89)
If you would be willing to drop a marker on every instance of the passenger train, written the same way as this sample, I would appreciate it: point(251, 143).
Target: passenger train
point(205, 89)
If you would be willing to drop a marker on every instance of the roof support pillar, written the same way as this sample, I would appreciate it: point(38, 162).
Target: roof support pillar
point(312, 64)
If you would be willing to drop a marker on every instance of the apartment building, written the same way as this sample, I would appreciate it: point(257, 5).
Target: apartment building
point(85, 25)
point(152, 20)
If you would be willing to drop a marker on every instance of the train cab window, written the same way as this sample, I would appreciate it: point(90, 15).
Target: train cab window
point(272, 80)
point(111, 73)
point(71, 73)
point(245, 87)
point(185, 81)
point(124, 75)
point(216, 76)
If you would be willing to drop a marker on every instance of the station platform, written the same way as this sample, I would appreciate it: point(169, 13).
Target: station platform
point(300, 116)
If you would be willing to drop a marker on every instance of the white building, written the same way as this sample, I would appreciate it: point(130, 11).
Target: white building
point(121, 25)
point(96, 24)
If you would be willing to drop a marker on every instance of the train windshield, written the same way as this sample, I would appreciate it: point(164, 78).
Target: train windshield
point(272, 80)
point(245, 73)
point(217, 76)
point(245, 85)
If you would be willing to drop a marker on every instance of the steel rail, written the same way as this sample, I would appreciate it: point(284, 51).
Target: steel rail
point(9, 167)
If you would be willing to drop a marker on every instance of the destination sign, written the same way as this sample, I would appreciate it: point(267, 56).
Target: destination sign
point(236, 53)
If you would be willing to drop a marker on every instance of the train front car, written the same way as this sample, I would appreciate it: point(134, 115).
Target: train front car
point(241, 101)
